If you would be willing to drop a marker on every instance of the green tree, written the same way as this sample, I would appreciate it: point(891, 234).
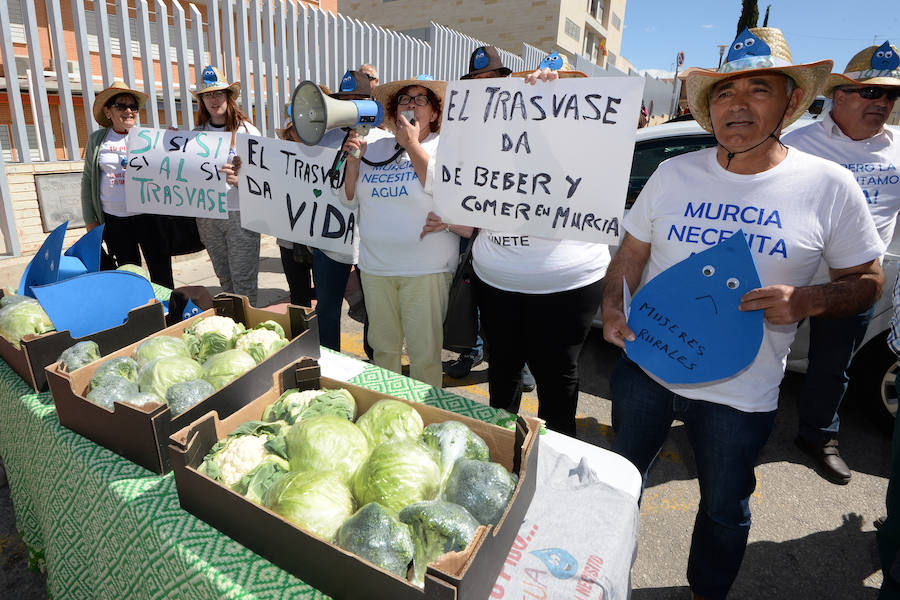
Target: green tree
point(749, 15)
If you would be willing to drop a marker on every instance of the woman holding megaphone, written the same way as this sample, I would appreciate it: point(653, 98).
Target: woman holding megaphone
point(406, 280)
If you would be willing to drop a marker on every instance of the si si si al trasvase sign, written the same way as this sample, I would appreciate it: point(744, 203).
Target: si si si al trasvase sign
point(284, 192)
point(550, 160)
point(177, 172)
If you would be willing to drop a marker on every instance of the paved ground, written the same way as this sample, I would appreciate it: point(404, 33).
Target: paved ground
point(810, 539)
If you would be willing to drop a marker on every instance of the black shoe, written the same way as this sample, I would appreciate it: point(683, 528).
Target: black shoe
point(527, 379)
point(461, 367)
point(831, 466)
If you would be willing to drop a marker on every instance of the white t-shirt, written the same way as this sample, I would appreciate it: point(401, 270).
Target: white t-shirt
point(795, 214)
point(393, 206)
point(537, 265)
point(112, 159)
point(246, 127)
point(874, 163)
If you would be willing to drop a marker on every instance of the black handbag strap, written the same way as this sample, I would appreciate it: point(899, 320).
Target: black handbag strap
point(467, 255)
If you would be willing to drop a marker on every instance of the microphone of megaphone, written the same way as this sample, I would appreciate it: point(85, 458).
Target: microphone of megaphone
point(313, 113)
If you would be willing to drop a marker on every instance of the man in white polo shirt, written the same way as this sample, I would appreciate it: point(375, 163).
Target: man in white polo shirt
point(854, 136)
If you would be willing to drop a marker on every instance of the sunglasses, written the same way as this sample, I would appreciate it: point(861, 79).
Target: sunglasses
point(121, 106)
point(420, 100)
point(218, 94)
point(873, 92)
point(370, 77)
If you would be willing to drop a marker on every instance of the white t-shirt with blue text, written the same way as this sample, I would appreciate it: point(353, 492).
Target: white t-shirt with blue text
point(874, 163)
point(393, 207)
point(803, 210)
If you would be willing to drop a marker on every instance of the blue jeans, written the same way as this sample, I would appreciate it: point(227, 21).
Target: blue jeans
point(831, 346)
point(330, 278)
point(726, 444)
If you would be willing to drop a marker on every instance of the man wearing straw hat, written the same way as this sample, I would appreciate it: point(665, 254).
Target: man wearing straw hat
point(852, 135)
point(795, 210)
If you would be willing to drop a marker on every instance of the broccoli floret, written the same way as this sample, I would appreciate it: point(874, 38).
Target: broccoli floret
point(114, 389)
point(183, 395)
point(454, 440)
point(437, 527)
point(375, 534)
point(482, 488)
point(79, 355)
point(123, 366)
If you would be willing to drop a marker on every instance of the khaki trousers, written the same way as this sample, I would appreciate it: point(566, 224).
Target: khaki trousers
point(412, 308)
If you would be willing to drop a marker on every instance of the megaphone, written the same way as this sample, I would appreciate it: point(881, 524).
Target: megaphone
point(313, 113)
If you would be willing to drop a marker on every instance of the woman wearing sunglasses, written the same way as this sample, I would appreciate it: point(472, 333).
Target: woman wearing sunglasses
point(103, 187)
point(406, 280)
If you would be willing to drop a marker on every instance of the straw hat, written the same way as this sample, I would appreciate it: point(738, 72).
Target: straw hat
point(759, 50)
point(485, 59)
point(212, 79)
point(555, 62)
point(876, 65)
point(385, 92)
point(112, 91)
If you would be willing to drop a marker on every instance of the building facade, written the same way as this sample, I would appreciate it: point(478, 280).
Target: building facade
point(589, 28)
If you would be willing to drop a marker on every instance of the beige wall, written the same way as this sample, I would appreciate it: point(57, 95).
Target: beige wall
point(25, 201)
point(27, 215)
point(503, 23)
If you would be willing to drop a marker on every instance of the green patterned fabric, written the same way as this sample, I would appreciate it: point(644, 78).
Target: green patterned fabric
point(105, 528)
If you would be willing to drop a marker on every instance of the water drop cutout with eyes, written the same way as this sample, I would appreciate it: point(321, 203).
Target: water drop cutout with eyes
point(884, 58)
point(686, 319)
point(747, 44)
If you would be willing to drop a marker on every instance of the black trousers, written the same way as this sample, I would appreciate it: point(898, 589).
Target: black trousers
point(298, 273)
point(127, 237)
point(546, 330)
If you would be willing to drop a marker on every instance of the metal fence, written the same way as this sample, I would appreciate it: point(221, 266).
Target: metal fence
point(269, 45)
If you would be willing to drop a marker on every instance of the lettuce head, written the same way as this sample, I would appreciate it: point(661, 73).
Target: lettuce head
point(397, 474)
point(327, 443)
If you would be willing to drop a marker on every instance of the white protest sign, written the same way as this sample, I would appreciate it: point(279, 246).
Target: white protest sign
point(283, 192)
point(176, 172)
point(551, 160)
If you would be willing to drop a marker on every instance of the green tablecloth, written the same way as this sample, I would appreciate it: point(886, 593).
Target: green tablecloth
point(104, 527)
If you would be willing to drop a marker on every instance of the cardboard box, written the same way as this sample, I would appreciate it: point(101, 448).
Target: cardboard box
point(37, 351)
point(340, 574)
point(142, 434)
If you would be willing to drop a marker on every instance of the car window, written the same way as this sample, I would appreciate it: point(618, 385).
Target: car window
point(648, 154)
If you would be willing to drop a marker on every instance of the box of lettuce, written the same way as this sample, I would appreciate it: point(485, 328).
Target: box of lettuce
point(284, 476)
point(131, 400)
point(28, 341)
